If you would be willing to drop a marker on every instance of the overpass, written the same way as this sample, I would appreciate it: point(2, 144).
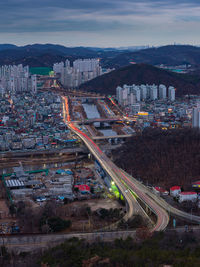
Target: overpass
point(112, 137)
point(157, 204)
point(10, 154)
point(82, 98)
point(129, 190)
point(89, 121)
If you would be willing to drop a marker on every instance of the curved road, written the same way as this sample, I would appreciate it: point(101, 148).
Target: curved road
point(161, 202)
point(121, 179)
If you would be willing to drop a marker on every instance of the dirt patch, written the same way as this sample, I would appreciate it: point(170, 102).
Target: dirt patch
point(84, 221)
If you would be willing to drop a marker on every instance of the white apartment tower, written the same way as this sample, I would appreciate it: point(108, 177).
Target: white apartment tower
point(171, 93)
point(153, 92)
point(82, 71)
point(196, 117)
point(58, 67)
point(162, 91)
point(143, 91)
point(119, 94)
point(136, 92)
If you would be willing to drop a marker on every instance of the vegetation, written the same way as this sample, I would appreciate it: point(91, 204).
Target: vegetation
point(163, 158)
point(169, 248)
point(109, 214)
point(143, 74)
point(54, 224)
point(44, 55)
point(171, 55)
point(132, 223)
point(162, 249)
point(44, 219)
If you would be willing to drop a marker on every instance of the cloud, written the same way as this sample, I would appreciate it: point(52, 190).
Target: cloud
point(114, 17)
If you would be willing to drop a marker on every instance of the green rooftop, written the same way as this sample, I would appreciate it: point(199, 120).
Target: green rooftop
point(40, 70)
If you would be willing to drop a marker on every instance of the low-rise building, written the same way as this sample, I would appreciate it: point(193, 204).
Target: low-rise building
point(160, 191)
point(175, 191)
point(187, 196)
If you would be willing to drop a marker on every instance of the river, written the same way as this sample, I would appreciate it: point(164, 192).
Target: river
point(91, 111)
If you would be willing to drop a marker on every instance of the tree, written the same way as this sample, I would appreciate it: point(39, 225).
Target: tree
point(57, 224)
point(92, 190)
point(143, 233)
point(76, 189)
point(12, 209)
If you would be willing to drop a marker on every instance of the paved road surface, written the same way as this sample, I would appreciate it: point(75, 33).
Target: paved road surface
point(122, 180)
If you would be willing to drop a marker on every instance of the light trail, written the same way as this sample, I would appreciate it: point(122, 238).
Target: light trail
point(122, 180)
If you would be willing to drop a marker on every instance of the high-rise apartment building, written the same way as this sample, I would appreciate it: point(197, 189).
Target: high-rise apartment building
point(162, 91)
point(171, 93)
point(131, 94)
point(17, 79)
point(143, 90)
point(153, 92)
point(82, 71)
point(196, 117)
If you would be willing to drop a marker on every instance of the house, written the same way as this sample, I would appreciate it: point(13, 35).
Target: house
point(83, 188)
point(175, 190)
point(187, 196)
point(160, 191)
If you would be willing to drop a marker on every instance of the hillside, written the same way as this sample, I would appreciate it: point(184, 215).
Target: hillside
point(171, 55)
point(163, 158)
point(168, 248)
point(43, 60)
point(143, 74)
point(40, 55)
point(35, 55)
point(110, 57)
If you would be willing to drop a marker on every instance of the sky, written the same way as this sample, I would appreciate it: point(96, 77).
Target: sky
point(102, 23)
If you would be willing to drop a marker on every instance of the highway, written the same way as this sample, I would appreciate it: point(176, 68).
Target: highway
point(121, 180)
point(161, 202)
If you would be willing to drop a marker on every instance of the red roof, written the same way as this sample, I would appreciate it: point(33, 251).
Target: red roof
point(188, 193)
point(173, 188)
point(83, 187)
point(197, 182)
point(159, 189)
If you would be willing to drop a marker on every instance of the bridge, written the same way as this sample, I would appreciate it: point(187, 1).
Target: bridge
point(89, 121)
point(123, 180)
point(120, 136)
point(127, 187)
point(30, 152)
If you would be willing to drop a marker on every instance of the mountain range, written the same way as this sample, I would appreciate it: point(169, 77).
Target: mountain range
point(171, 55)
point(44, 55)
point(38, 55)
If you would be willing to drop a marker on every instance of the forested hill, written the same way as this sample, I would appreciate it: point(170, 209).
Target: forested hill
point(143, 74)
point(162, 158)
point(171, 55)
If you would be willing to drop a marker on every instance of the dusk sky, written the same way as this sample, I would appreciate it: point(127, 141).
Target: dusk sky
point(99, 22)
